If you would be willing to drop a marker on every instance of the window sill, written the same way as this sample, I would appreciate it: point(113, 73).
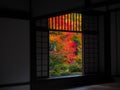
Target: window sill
point(61, 77)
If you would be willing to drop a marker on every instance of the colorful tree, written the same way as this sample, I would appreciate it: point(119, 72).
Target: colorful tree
point(65, 49)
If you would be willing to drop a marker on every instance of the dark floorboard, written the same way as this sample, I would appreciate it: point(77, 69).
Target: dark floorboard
point(106, 86)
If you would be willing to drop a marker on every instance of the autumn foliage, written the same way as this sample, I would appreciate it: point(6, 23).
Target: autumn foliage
point(65, 53)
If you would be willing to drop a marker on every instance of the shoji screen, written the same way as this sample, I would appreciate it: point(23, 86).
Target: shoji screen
point(42, 53)
point(90, 40)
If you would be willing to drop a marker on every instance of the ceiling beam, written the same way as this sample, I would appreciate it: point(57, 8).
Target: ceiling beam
point(102, 4)
point(18, 14)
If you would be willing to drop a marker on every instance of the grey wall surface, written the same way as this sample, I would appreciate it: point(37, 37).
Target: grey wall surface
point(115, 42)
point(24, 87)
point(14, 51)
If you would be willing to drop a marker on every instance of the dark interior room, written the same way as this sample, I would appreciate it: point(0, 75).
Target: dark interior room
point(59, 45)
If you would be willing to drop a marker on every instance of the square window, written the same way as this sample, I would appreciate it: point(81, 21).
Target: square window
point(60, 49)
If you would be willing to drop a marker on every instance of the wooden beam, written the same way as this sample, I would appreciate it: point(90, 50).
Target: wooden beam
point(10, 13)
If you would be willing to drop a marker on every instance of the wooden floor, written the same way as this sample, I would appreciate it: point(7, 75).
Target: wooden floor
point(106, 86)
